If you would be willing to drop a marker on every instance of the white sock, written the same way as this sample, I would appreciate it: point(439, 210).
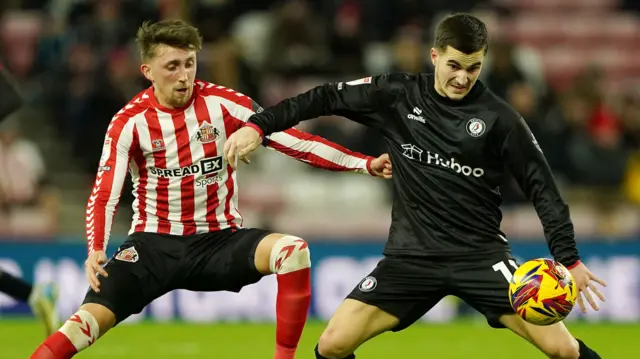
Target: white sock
point(81, 329)
point(289, 254)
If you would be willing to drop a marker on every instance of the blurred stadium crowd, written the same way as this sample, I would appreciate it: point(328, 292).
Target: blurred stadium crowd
point(575, 79)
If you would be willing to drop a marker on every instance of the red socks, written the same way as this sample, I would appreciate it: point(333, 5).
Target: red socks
point(292, 307)
point(56, 346)
point(77, 333)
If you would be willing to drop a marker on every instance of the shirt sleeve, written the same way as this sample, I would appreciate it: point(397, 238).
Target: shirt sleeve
point(313, 150)
point(105, 195)
point(318, 152)
point(360, 100)
point(527, 163)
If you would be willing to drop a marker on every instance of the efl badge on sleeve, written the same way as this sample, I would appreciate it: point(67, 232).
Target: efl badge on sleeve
point(362, 81)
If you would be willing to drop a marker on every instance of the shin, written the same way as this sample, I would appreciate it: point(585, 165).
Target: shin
point(290, 261)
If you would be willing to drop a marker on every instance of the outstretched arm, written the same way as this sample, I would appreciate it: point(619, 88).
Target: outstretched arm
point(529, 167)
point(359, 100)
point(364, 101)
point(313, 150)
point(318, 152)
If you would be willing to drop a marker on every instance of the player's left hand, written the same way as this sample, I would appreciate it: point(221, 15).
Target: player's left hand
point(240, 144)
point(381, 166)
point(585, 282)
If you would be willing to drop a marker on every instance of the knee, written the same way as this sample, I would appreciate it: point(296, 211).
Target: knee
point(334, 346)
point(96, 314)
point(289, 254)
point(563, 350)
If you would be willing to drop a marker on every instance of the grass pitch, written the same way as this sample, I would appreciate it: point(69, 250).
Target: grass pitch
point(469, 339)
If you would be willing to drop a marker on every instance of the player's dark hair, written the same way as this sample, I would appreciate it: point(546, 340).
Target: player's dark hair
point(465, 33)
point(174, 33)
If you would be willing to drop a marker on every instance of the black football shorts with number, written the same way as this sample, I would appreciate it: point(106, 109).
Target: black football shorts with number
point(149, 265)
point(408, 287)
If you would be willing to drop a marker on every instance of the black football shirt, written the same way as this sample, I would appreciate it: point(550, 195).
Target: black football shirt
point(449, 158)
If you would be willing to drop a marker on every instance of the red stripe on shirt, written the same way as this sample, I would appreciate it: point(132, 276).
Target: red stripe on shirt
point(160, 161)
point(231, 124)
point(210, 150)
point(141, 192)
point(187, 183)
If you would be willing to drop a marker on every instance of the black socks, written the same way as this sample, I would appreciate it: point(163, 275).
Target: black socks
point(586, 352)
point(15, 287)
point(318, 356)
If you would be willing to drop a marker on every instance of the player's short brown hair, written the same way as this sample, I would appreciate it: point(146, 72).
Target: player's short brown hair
point(174, 33)
point(465, 33)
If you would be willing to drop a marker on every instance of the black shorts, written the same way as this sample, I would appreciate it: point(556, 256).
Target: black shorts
point(149, 265)
point(408, 287)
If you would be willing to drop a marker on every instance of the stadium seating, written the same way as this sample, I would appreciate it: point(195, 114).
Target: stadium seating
point(576, 33)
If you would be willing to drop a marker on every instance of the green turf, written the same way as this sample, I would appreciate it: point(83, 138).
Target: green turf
point(442, 341)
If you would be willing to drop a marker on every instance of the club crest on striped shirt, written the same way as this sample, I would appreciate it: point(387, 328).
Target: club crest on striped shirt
point(207, 133)
point(128, 255)
point(157, 145)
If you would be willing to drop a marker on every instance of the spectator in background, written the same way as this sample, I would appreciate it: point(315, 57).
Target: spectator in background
point(589, 152)
point(596, 140)
point(71, 88)
point(27, 206)
point(503, 72)
point(410, 52)
point(86, 103)
point(347, 39)
point(630, 120)
point(221, 60)
point(522, 96)
point(631, 5)
point(297, 42)
point(602, 122)
point(632, 179)
point(19, 36)
point(598, 160)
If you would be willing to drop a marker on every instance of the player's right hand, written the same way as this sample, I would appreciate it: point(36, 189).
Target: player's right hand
point(584, 280)
point(93, 267)
point(240, 144)
point(381, 166)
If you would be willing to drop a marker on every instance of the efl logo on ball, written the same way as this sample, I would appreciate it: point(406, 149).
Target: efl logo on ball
point(542, 291)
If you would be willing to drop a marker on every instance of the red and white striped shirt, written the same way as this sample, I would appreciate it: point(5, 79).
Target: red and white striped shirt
point(181, 182)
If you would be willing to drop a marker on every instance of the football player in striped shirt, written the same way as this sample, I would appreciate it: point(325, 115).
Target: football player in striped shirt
point(187, 232)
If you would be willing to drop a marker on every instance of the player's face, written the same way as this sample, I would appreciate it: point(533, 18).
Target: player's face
point(455, 71)
point(172, 71)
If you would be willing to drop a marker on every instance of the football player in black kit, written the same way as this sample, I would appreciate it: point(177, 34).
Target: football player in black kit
point(450, 139)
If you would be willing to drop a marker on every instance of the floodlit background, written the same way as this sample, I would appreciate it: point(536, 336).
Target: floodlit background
point(570, 67)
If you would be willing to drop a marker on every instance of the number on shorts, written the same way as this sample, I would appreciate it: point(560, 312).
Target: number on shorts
point(502, 267)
